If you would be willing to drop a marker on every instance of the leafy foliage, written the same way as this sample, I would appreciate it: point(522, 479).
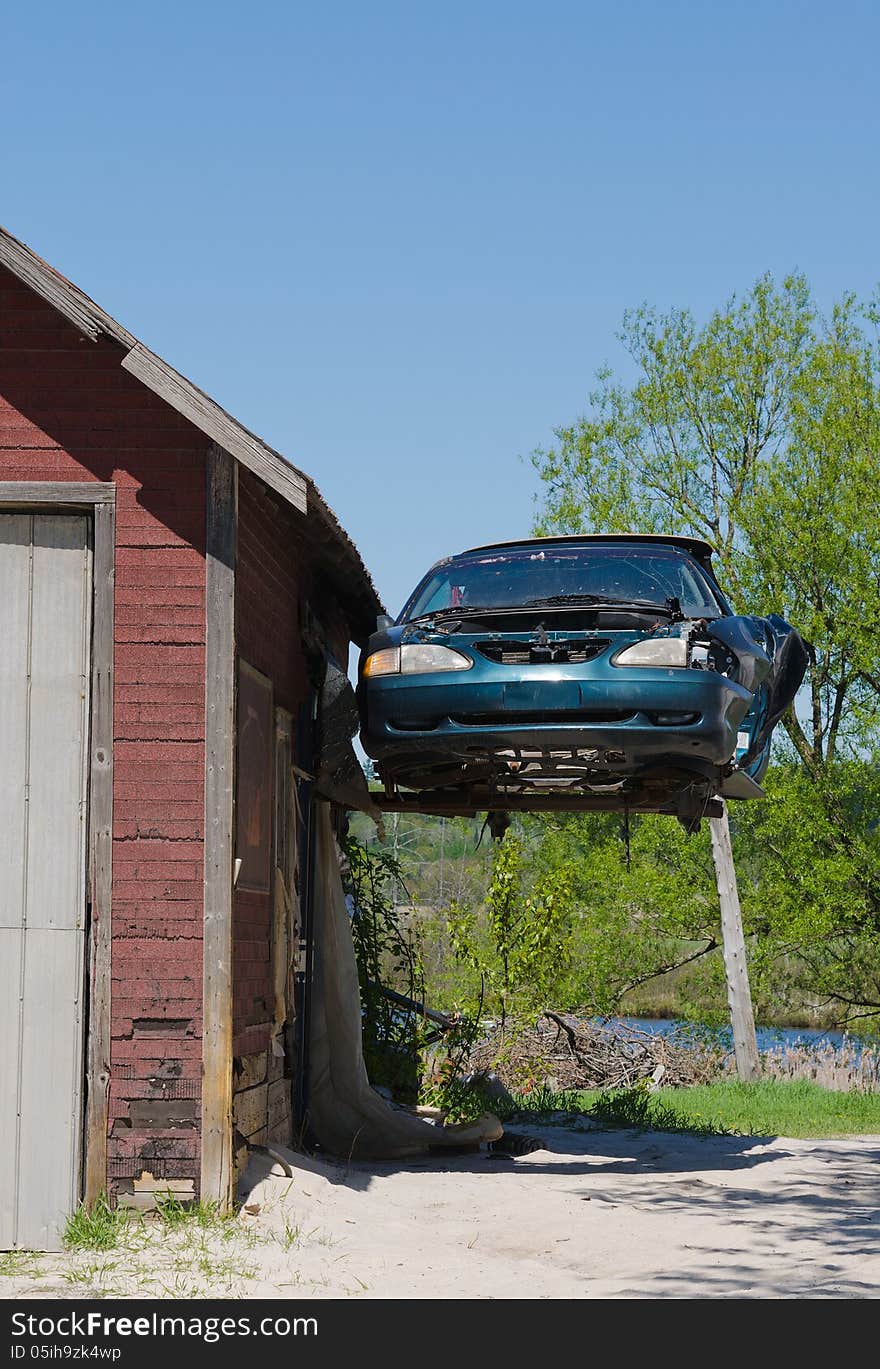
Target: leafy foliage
point(387, 958)
point(518, 941)
point(809, 862)
point(639, 909)
point(759, 431)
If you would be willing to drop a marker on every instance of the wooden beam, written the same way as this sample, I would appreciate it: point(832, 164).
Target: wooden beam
point(432, 802)
point(101, 852)
point(739, 995)
point(74, 304)
point(208, 416)
point(217, 1169)
point(54, 289)
point(59, 493)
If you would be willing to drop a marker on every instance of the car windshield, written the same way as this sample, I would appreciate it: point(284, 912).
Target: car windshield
point(607, 572)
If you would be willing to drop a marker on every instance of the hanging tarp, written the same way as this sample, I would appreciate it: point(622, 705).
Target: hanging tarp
point(340, 776)
point(345, 1115)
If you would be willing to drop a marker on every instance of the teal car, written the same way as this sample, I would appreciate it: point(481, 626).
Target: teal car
point(592, 672)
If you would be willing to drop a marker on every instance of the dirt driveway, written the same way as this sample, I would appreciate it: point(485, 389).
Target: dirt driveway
point(595, 1214)
point(601, 1214)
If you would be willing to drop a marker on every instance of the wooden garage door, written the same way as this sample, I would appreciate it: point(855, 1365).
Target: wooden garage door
point(45, 621)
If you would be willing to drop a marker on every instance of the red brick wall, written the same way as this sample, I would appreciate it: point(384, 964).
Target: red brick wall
point(68, 412)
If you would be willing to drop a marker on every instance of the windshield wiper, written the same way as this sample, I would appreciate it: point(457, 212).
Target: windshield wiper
point(462, 611)
point(672, 608)
point(565, 599)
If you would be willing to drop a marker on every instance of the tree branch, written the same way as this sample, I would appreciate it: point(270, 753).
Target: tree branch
point(836, 713)
point(799, 741)
point(710, 945)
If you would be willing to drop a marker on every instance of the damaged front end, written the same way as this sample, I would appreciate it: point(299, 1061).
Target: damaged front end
point(575, 704)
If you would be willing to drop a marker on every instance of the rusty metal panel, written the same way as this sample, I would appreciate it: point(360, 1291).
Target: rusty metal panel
point(45, 608)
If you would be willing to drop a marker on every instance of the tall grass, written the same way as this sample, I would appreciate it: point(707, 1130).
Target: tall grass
point(849, 1066)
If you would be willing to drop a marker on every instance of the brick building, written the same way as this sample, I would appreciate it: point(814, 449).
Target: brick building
point(171, 591)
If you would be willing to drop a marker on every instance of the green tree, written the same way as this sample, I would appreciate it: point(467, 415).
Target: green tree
point(759, 430)
point(517, 941)
point(641, 907)
point(809, 898)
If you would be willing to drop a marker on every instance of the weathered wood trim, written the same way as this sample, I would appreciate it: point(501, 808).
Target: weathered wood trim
point(61, 293)
point(93, 322)
point(100, 851)
point(217, 1167)
point(208, 416)
point(55, 492)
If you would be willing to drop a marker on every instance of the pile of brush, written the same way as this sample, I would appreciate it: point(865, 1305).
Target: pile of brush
point(566, 1052)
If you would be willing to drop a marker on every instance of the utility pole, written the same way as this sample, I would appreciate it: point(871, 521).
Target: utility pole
point(739, 995)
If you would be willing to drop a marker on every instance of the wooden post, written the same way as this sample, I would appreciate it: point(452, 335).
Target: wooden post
point(738, 993)
point(216, 1173)
point(101, 854)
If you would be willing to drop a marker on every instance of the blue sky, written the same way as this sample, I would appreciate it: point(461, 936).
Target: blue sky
point(397, 239)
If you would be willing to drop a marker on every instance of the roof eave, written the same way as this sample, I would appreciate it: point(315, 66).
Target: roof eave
point(93, 322)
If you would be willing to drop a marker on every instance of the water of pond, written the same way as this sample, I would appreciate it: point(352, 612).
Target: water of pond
point(769, 1038)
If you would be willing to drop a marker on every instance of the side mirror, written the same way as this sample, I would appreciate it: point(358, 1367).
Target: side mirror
point(383, 622)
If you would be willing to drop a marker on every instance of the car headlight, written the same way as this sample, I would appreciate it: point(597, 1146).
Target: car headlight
point(414, 659)
point(656, 651)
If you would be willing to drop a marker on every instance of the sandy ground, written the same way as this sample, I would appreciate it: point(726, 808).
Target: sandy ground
point(595, 1214)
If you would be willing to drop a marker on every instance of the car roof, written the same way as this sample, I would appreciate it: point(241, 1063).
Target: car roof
point(697, 548)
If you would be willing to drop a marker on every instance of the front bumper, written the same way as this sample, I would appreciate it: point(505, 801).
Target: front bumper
point(631, 718)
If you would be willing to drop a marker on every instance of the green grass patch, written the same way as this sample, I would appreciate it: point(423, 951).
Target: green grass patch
point(99, 1227)
point(20, 1263)
point(777, 1107)
point(172, 1212)
point(771, 1107)
point(633, 1107)
point(104, 1227)
point(636, 1107)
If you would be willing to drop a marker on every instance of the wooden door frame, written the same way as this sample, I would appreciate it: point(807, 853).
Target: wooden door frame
point(99, 499)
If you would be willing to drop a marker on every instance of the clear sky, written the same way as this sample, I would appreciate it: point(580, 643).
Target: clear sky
point(396, 239)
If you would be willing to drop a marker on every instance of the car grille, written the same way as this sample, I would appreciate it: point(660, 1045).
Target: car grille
point(570, 652)
point(568, 716)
